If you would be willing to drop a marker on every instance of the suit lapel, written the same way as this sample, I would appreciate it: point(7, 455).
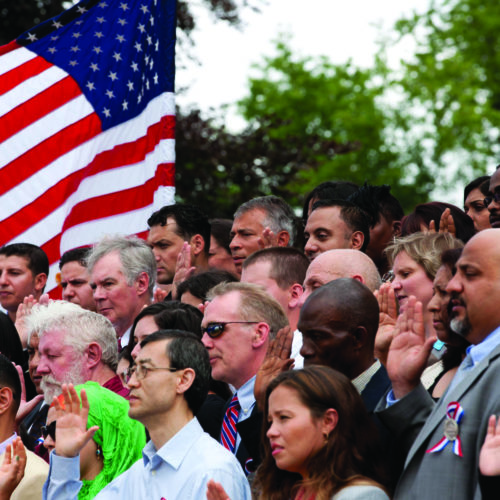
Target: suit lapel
point(439, 412)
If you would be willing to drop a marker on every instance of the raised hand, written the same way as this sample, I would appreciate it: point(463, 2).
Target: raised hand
point(268, 239)
point(71, 429)
point(277, 360)
point(489, 458)
point(409, 350)
point(25, 407)
point(23, 310)
point(446, 224)
point(387, 321)
point(183, 268)
point(12, 468)
point(215, 491)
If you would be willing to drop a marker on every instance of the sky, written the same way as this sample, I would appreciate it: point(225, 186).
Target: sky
point(337, 29)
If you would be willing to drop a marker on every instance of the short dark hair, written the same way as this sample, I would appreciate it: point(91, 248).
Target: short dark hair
point(329, 190)
point(221, 232)
point(288, 265)
point(170, 315)
point(38, 262)
point(475, 184)
point(75, 255)
point(200, 284)
point(426, 212)
point(376, 200)
point(354, 218)
point(10, 378)
point(190, 220)
point(185, 350)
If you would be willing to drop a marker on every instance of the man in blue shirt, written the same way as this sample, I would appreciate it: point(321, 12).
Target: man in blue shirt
point(443, 439)
point(167, 385)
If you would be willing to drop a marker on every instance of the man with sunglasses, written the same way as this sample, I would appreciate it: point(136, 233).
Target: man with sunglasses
point(238, 323)
point(36, 471)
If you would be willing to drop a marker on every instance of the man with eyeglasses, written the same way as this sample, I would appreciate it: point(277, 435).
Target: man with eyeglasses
point(492, 200)
point(238, 323)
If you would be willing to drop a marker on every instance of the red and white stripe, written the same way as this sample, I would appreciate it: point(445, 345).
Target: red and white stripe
point(63, 182)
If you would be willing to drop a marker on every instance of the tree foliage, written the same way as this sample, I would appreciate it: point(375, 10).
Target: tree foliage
point(454, 80)
point(308, 121)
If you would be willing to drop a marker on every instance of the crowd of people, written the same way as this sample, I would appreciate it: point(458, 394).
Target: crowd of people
point(349, 354)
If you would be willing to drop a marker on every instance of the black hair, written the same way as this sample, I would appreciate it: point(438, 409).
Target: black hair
point(376, 200)
point(10, 378)
point(38, 262)
point(190, 220)
point(475, 184)
point(75, 255)
point(338, 190)
point(354, 218)
point(185, 350)
point(221, 232)
point(200, 284)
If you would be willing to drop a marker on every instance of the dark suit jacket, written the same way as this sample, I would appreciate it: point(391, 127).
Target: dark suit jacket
point(417, 423)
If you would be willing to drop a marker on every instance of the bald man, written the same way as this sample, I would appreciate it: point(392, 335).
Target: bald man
point(340, 263)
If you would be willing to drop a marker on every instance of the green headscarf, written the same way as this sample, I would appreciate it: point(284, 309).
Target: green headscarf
point(120, 437)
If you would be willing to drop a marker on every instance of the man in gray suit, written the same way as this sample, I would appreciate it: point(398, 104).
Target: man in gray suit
point(444, 438)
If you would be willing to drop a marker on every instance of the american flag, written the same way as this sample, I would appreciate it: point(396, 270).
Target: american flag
point(87, 125)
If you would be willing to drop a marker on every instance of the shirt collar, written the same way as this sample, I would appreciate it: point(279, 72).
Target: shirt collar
point(8, 441)
point(479, 351)
point(361, 381)
point(246, 397)
point(175, 449)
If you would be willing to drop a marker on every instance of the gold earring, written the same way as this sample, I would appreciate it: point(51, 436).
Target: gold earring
point(326, 435)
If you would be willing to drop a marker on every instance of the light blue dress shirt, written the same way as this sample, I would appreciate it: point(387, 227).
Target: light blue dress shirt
point(179, 470)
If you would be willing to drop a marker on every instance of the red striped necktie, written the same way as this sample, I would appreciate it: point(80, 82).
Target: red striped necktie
point(228, 434)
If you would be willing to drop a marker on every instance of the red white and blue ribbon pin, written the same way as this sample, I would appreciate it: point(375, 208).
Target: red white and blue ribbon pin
point(454, 414)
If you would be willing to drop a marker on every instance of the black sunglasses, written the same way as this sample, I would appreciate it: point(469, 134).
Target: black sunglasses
point(214, 330)
point(49, 430)
point(489, 199)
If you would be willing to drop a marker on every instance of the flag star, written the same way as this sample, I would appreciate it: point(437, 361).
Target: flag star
point(138, 47)
point(130, 85)
point(106, 112)
point(56, 24)
point(155, 78)
point(122, 22)
point(124, 6)
point(52, 50)
point(139, 98)
point(151, 20)
point(101, 20)
point(113, 76)
point(54, 37)
point(79, 22)
point(103, 5)
point(76, 35)
point(120, 38)
point(81, 9)
point(149, 39)
point(135, 66)
point(90, 86)
point(141, 28)
point(75, 48)
point(32, 37)
point(157, 45)
point(147, 84)
point(73, 63)
point(151, 64)
point(98, 34)
point(94, 67)
point(125, 105)
point(97, 50)
point(110, 94)
point(117, 57)
point(146, 59)
point(144, 9)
